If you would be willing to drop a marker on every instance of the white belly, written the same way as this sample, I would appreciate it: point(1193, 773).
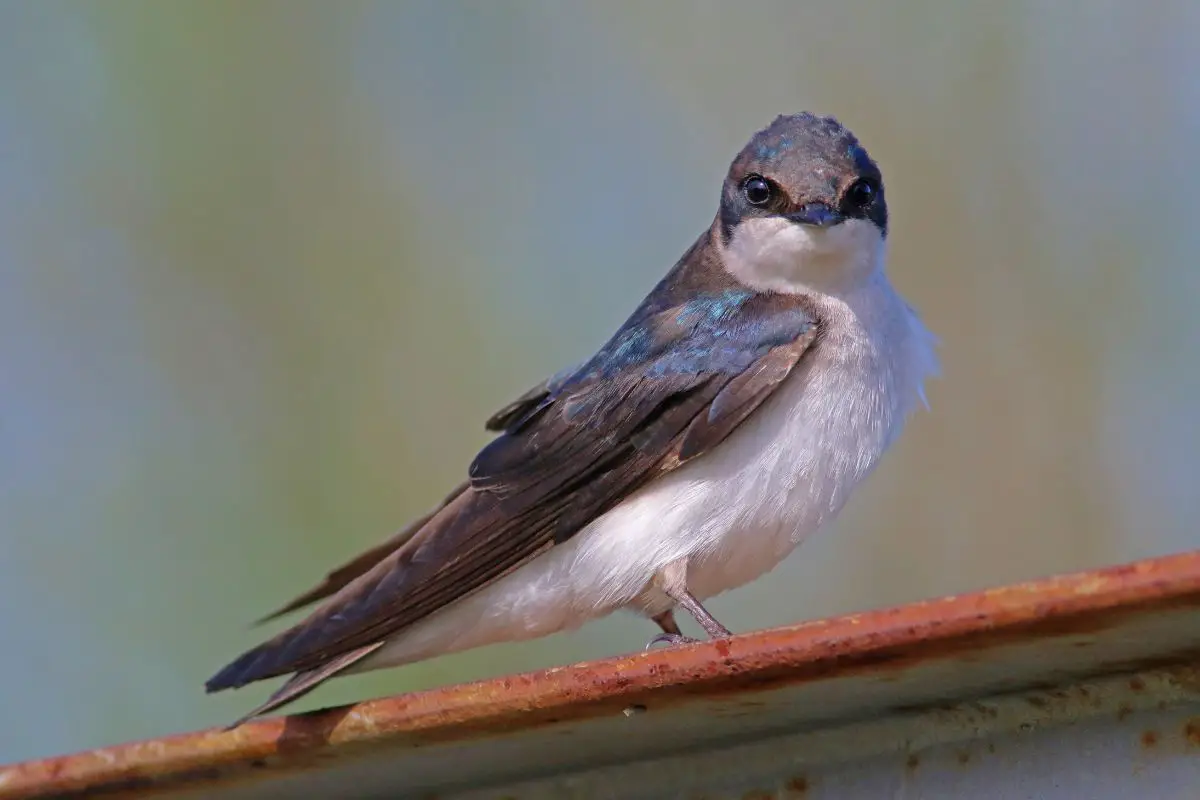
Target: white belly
point(734, 513)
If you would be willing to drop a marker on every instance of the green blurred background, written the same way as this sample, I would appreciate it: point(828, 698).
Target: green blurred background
point(266, 266)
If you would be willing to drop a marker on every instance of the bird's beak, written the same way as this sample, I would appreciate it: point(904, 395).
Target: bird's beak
point(818, 215)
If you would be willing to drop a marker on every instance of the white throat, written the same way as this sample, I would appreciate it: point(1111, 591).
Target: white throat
point(775, 254)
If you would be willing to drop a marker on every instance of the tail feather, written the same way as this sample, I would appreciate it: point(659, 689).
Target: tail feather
point(304, 682)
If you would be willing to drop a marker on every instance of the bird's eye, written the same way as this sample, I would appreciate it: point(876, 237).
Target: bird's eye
point(757, 190)
point(860, 194)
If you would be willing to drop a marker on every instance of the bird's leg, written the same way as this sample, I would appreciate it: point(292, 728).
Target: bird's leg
point(714, 629)
point(672, 580)
point(670, 631)
point(666, 621)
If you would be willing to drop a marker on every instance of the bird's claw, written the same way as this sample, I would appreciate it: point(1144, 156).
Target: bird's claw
point(671, 639)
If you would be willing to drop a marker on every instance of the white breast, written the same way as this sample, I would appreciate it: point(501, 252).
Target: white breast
point(739, 511)
point(736, 512)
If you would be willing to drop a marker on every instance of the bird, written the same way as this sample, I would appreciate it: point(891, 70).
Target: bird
point(726, 421)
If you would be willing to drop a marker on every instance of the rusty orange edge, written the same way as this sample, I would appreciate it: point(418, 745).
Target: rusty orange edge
point(873, 641)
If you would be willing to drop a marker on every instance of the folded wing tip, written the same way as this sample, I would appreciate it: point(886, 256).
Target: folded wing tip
point(242, 670)
point(298, 603)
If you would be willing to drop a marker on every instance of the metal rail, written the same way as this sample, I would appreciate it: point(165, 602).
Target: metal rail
point(1081, 686)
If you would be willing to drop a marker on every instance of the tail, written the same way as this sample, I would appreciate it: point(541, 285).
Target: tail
point(304, 682)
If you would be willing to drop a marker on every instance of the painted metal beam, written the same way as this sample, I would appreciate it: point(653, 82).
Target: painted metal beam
point(1085, 685)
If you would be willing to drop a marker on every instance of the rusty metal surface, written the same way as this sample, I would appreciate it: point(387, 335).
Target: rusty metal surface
point(788, 708)
point(1112, 738)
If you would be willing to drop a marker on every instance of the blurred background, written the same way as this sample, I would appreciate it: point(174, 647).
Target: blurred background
point(265, 267)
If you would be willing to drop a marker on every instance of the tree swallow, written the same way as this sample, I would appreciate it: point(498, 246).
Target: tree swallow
point(725, 421)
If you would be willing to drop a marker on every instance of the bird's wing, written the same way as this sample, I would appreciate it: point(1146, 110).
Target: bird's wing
point(668, 387)
point(528, 401)
point(363, 562)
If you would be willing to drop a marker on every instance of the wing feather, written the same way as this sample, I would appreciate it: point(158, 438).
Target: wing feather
point(360, 564)
point(670, 386)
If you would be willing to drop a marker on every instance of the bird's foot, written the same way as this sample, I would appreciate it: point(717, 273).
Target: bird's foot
point(671, 639)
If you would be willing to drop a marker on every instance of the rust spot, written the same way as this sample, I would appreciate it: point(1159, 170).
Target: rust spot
point(1137, 684)
point(912, 762)
point(797, 787)
point(964, 757)
point(1186, 676)
point(758, 794)
point(1191, 732)
point(1149, 738)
